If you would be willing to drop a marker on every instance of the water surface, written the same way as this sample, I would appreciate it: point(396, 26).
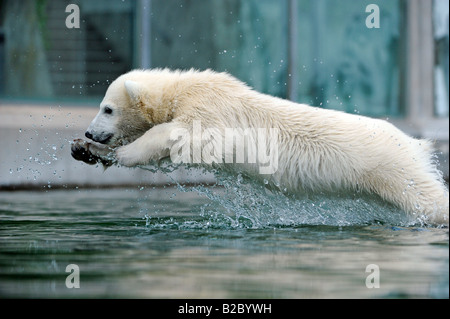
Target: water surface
point(178, 243)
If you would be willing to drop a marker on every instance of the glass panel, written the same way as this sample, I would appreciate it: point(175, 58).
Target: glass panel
point(43, 58)
point(246, 38)
point(341, 63)
point(344, 64)
point(440, 19)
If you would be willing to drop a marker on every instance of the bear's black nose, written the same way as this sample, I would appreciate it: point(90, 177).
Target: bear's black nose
point(88, 135)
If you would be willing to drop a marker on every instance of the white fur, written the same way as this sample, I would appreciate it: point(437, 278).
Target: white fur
point(318, 149)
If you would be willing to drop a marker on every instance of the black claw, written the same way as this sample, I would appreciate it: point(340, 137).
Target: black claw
point(81, 153)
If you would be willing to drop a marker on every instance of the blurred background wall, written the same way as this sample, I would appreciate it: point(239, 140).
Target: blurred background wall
point(318, 52)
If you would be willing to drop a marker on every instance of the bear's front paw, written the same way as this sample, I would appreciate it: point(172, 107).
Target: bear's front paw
point(80, 152)
point(127, 156)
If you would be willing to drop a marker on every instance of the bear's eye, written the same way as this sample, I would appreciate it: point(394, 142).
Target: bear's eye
point(108, 110)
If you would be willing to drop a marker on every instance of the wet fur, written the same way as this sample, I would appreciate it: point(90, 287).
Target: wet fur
point(319, 149)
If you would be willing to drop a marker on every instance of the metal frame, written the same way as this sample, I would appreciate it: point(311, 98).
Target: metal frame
point(419, 99)
point(418, 52)
point(292, 79)
point(144, 34)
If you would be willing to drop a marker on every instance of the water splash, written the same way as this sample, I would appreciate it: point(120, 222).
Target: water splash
point(237, 201)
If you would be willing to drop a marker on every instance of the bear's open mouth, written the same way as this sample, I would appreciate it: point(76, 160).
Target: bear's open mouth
point(103, 139)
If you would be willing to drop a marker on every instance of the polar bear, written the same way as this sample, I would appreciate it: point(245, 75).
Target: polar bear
point(148, 115)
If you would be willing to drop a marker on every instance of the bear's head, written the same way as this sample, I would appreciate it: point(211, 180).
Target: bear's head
point(133, 103)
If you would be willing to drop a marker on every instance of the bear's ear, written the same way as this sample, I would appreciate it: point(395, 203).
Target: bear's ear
point(134, 89)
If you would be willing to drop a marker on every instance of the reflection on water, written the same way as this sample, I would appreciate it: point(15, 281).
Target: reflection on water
point(167, 243)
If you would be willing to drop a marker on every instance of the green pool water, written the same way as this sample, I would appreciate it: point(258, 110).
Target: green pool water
point(178, 243)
